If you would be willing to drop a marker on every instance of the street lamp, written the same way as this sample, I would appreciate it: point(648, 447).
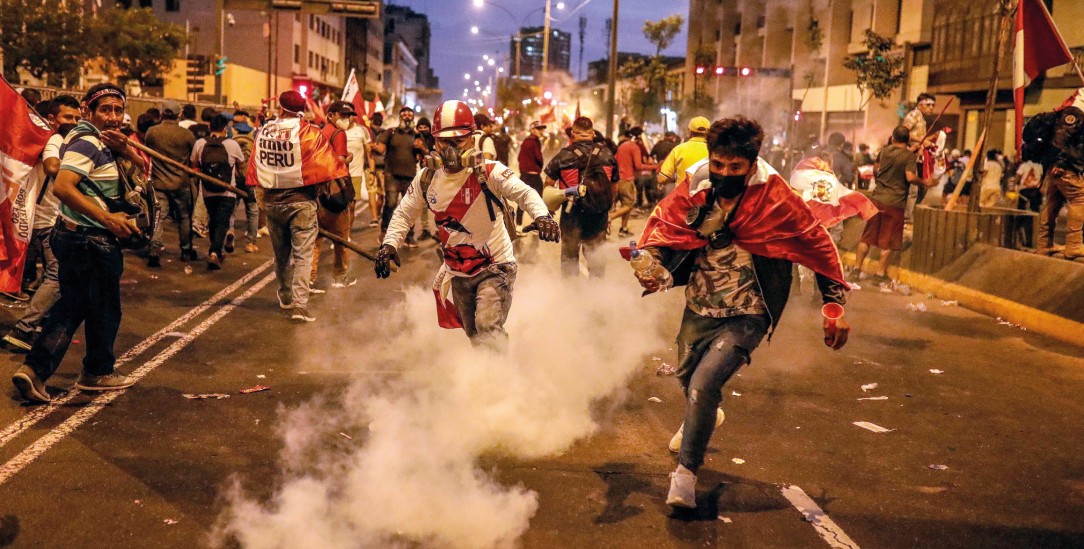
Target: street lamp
point(474, 30)
point(466, 76)
point(492, 62)
point(480, 69)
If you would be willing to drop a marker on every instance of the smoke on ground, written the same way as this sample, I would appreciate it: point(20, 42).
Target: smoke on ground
point(410, 476)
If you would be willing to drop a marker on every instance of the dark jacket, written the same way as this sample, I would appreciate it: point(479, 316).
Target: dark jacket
point(530, 155)
point(176, 143)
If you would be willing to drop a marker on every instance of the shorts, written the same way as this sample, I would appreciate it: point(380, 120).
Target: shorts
point(884, 230)
point(626, 192)
point(374, 183)
point(357, 182)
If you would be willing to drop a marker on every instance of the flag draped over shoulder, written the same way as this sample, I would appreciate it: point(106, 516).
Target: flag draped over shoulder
point(289, 153)
point(829, 200)
point(23, 135)
point(1038, 47)
point(771, 221)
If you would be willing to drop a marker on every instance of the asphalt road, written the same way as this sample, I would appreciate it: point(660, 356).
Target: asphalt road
point(148, 467)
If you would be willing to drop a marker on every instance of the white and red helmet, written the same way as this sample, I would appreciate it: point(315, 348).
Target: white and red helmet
point(453, 119)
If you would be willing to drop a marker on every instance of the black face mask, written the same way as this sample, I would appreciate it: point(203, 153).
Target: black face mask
point(727, 186)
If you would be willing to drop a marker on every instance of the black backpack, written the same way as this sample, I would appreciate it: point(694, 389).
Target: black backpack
point(214, 160)
point(599, 195)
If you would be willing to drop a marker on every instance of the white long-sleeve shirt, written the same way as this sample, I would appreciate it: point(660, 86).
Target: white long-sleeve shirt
point(470, 239)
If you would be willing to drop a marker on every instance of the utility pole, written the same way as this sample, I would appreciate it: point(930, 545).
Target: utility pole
point(519, 50)
point(268, 55)
point(612, 74)
point(221, 9)
point(546, 44)
point(583, 34)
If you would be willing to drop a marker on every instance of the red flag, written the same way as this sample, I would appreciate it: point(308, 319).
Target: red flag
point(771, 221)
point(23, 138)
point(548, 117)
point(1038, 47)
point(826, 197)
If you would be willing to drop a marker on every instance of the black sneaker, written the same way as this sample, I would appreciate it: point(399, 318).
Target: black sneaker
point(301, 314)
point(29, 386)
point(19, 340)
point(188, 254)
point(108, 382)
point(228, 246)
point(213, 262)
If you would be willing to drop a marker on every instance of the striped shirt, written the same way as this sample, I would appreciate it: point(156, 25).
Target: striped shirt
point(85, 154)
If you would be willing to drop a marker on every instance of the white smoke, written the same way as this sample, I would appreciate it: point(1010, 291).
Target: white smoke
point(411, 476)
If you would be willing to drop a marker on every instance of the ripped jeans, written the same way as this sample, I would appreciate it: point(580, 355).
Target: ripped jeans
point(710, 351)
point(483, 302)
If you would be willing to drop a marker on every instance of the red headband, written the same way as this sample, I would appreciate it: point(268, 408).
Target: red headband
point(102, 93)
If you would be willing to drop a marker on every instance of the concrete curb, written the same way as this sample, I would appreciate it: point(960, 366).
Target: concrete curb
point(1035, 320)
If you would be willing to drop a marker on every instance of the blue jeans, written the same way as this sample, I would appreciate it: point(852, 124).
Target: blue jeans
point(90, 267)
point(293, 237)
point(710, 351)
point(48, 292)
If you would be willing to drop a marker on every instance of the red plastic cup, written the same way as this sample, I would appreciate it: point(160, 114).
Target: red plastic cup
point(832, 312)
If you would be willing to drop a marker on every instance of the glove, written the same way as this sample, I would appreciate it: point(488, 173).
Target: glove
point(548, 230)
point(384, 256)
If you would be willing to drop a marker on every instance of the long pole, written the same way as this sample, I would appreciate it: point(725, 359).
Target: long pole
point(519, 51)
point(268, 54)
point(827, 61)
point(222, 185)
point(221, 8)
point(612, 74)
point(1007, 9)
point(546, 44)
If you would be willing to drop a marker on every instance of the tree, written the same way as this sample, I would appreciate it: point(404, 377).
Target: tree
point(662, 32)
point(879, 70)
point(139, 46)
point(48, 39)
point(649, 77)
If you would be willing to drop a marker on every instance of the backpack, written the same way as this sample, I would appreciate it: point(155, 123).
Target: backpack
point(503, 144)
point(215, 161)
point(1038, 137)
point(599, 196)
point(136, 198)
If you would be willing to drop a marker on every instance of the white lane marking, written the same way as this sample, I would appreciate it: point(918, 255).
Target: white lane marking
point(40, 446)
point(41, 412)
point(822, 523)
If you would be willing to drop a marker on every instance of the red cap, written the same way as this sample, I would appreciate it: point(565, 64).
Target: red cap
point(292, 101)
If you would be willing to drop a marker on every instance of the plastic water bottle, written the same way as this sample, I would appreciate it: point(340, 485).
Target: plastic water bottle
point(645, 264)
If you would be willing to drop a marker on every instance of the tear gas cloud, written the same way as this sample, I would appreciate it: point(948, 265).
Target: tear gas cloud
point(411, 475)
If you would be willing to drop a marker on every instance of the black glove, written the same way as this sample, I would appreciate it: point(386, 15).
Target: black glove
point(548, 230)
point(384, 256)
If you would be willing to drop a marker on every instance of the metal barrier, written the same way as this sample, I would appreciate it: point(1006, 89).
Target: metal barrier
point(941, 236)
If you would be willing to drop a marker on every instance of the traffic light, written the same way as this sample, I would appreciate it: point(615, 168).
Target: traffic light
point(746, 71)
point(195, 69)
point(220, 65)
point(719, 71)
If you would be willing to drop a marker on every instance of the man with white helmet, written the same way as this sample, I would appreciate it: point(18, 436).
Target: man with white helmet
point(467, 195)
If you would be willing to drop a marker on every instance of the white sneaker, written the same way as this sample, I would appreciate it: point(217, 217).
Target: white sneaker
point(682, 489)
point(675, 442)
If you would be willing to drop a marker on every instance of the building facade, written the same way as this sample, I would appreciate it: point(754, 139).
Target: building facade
point(947, 48)
point(525, 52)
point(400, 75)
point(412, 28)
point(365, 52)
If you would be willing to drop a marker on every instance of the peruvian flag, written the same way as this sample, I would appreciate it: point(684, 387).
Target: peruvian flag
point(1075, 100)
point(21, 142)
point(829, 200)
point(1038, 47)
point(352, 93)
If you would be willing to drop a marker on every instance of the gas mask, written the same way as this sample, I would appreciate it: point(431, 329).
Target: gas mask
point(728, 186)
point(453, 160)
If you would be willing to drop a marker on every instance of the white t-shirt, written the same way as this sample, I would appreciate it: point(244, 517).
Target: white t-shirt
point(186, 123)
point(356, 139)
point(48, 207)
point(1031, 175)
point(233, 150)
point(463, 222)
point(488, 148)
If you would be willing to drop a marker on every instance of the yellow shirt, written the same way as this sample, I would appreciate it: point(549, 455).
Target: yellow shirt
point(683, 156)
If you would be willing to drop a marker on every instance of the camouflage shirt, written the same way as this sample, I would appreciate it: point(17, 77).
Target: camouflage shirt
point(915, 122)
point(724, 284)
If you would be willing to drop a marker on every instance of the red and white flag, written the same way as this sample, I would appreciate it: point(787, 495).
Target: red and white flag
point(21, 142)
point(829, 200)
point(1038, 47)
point(352, 93)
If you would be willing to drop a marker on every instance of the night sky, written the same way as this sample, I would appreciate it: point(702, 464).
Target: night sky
point(456, 51)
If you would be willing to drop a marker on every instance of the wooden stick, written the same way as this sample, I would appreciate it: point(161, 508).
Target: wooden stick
point(930, 131)
point(967, 175)
point(222, 185)
point(349, 246)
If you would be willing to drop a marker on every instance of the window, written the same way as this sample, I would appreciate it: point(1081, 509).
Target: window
point(310, 59)
point(312, 22)
point(297, 53)
point(920, 56)
point(173, 5)
point(146, 3)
